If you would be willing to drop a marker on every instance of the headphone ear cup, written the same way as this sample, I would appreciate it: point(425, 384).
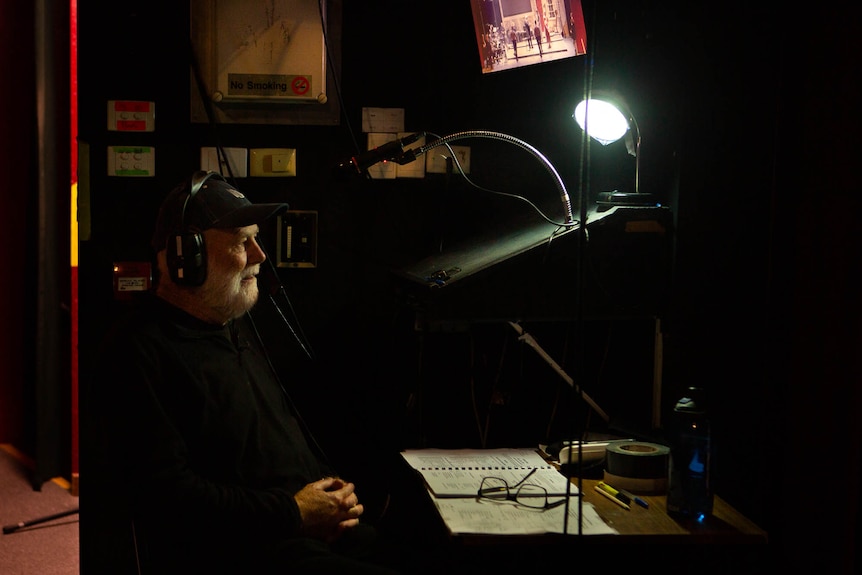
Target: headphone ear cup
point(187, 259)
point(187, 256)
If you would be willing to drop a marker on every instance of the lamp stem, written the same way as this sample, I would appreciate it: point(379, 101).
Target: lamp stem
point(634, 125)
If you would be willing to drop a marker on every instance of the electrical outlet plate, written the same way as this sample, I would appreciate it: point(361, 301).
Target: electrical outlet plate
point(131, 116)
point(132, 161)
point(272, 162)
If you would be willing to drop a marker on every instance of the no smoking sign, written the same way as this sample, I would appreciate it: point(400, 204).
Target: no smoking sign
point(300, 85)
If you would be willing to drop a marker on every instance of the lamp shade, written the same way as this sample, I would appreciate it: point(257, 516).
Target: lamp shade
point(607, 119)
point(601, 120)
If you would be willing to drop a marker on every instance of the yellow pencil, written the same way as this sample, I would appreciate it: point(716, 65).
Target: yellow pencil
point(612, 498)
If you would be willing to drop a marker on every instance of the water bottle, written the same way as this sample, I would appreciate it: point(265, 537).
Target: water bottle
point(690, 493)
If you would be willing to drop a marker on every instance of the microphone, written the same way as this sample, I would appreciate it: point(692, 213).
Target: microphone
point(393, 150)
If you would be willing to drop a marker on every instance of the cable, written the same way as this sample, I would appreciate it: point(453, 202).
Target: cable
point(305, 428)
point(561, 186)
point(208, 108)
point(333, 72)
point(454, 157)
point(297, 333)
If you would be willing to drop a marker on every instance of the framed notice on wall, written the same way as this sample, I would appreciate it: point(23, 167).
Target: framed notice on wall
point(263, 61)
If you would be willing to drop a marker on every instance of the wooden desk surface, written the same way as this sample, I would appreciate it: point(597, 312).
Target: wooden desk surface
point(726, 525)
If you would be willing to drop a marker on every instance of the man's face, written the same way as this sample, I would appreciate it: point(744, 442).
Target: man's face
point(233, 262)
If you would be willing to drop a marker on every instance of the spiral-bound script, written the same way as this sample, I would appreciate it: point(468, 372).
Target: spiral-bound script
point(459, 472)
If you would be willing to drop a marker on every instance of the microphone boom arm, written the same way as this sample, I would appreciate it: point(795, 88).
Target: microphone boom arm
point(412, 154)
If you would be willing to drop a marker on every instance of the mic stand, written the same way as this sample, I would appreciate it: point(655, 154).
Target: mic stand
point(530, 340)
point(12, 528)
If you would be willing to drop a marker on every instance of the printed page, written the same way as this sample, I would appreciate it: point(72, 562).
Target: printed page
point(459, 472)
point(480, 459)
point(465, 515)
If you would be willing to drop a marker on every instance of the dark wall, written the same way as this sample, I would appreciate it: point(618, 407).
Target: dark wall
point(18, 144)
point(694, 77)
point(35, 390)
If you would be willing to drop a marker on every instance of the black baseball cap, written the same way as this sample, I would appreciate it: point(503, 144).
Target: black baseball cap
point(207, 201)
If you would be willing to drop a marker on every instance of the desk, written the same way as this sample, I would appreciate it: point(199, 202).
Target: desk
point(654, 525)
point(639, 525)
point(727, 542)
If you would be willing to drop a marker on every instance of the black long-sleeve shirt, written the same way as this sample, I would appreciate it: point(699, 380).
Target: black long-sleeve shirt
point(200, 426)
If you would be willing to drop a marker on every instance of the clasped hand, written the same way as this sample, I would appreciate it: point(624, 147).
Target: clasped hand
point(328, 507)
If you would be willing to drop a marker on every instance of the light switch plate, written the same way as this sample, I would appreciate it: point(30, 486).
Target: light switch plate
point(272, 162)
point(237, 157)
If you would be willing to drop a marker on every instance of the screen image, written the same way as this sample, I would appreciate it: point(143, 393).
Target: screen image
point(515, 33)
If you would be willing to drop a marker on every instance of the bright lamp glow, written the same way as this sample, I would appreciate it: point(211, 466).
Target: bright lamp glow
point(607, 120)
point(606, 123)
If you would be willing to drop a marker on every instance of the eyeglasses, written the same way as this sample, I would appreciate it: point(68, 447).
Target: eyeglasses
point(525, 494)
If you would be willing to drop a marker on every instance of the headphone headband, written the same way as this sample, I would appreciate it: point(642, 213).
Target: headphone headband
point(196, 182)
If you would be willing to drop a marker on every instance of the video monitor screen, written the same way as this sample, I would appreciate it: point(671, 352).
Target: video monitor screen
point(516, 33)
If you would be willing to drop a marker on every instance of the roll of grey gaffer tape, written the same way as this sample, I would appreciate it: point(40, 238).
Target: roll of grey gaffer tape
point(637, 467)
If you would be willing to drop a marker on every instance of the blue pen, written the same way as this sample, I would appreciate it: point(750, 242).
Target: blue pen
point(635, 498)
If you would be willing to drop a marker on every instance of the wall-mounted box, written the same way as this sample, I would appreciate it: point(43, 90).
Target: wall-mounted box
point(265, 61)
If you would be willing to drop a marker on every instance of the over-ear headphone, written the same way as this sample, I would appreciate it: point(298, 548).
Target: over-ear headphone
point(187, 255)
